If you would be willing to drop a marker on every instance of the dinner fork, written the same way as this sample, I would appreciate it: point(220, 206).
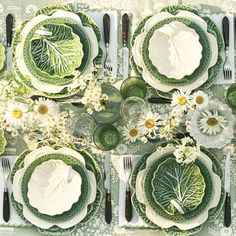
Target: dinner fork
point(6, 171)
point(227, 68)
point(107, 63)
point(127, 164)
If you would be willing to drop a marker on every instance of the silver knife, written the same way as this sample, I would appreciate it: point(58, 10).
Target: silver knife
point(125, 49)
point(227, 213)
point(9, 29)
point(107, 185)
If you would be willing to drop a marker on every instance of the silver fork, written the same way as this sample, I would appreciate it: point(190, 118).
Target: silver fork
point(6, 171)
point(107, 63)
point(127, 164)
point(227, 66)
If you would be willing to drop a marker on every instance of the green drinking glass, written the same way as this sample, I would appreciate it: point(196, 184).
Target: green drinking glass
point(106, 137)
point(133, 87)
point(112, 105)
point(231, 96)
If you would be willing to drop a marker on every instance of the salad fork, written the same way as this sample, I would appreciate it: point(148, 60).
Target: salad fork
point(107, 63)
point(6, 171)
point(127, 164)
point(227, 68)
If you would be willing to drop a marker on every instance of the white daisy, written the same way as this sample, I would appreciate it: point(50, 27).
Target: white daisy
point(148, 123)
point(181, 100)
point(16, 114)
point(211, 123)
point(44, 107)
point(200, 99)
point(212, 127)
point(131, 133)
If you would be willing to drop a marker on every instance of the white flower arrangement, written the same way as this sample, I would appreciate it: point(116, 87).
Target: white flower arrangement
point(93, 97)
point(186, 152)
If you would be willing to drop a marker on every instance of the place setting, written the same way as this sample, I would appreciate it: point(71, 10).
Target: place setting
point(114, 122)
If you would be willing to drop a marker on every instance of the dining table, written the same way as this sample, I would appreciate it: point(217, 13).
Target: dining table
point(137, 10)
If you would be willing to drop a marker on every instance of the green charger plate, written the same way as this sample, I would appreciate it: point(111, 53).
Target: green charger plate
point(91, 165)
point(140, 208)
point(41, 75)
point(213, 72)
point(86, 21)
point(204, 62)
point(77, 206)
point(177, 217)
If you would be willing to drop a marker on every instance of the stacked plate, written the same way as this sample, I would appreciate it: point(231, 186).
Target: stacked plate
point(177, 49)
point(176, 197)
point(52, 47)
point(56, 190)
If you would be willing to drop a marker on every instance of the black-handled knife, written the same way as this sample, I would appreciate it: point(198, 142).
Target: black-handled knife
point(125, 49)
point(106, 28)
point(9, 29)
point(159, 100)
point(125, 29)
point(225, 27)
point(6, 206)
point(227, 213)
point(107, 185)
point(9, 33)
point(108, 209)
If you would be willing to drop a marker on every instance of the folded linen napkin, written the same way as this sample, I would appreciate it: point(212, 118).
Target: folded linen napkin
point(113, 46)
point(15, 220)
point(217, 18)
point(136, 221)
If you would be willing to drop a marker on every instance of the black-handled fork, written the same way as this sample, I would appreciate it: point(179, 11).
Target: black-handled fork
point(227, 68)
point(6, 204)
point(127, 164)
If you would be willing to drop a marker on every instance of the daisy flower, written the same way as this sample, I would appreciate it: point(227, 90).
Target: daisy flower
point(131, 133)
point(44, 107)
point(200, 99)
point(148, 123)
point(16, 114)
point(213, 126)
point(181, 100)
point(211, 123)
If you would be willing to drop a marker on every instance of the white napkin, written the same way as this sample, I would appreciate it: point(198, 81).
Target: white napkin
point(217, 18)
point(98, 18)
point(136, 220)
point(15, 220)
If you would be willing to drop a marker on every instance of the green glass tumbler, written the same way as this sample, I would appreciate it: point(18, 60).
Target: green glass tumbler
point(106, 137)
point(231, 96)
point(133, 87)
point(112, 105)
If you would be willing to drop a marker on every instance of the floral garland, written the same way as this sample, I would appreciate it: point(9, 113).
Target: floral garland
point(43, 118)
point(208, 122)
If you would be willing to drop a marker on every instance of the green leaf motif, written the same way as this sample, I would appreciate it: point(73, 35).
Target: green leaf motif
point(57, 52)
point(3, 142)
point(183, 184)
point(2, 56)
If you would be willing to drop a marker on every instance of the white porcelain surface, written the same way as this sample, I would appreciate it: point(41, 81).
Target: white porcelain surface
point(188, 224)
point(18, 196)
point(137, 52)
point(175, 50)
point(54, 187)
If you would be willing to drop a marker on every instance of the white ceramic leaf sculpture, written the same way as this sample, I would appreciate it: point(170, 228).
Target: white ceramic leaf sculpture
point(175, 50)
point(54, 187)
